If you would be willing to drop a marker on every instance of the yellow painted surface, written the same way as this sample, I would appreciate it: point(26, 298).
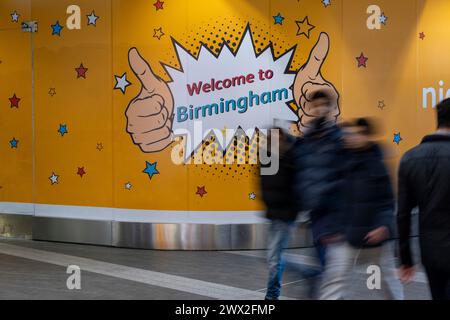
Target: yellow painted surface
point(399, 66)
point(16, 165)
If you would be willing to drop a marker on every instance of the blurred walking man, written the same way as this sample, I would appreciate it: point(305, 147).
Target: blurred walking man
point(318, 184)
point(281, 210)
point(369, 206)
point(424, 181)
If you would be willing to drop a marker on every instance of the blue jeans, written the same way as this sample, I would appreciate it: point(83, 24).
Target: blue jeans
point(279, 234)
point(320, 248)
point(278, 240)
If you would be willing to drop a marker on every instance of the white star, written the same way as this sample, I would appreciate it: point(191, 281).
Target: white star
point(92, 19)
point(15, 16)
point(122, 82)
point(383, 19)
point(326, 3)
point(54, 178)
point(252, 196)
point(128, 186)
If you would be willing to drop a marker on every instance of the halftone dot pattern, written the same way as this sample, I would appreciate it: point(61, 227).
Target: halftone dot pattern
point(237, 162)
point(242, 152)
point(253, 150)
point(213, 35)
point(177, 149)
point(212, 152)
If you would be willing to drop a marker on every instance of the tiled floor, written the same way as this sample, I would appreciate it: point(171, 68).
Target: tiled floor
point(37, 270)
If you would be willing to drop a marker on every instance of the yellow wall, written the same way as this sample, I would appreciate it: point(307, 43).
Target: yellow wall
point(399, 66)
point(16, 165)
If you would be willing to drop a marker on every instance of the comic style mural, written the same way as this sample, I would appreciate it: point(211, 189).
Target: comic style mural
point(160, 105)
point(258, 89)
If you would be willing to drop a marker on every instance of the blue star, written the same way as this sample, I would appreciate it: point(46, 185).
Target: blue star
point(122, 83)
point(326, 3)
point(397, 138)
point(56, 29)
point(150, 169)
point(278, 19)
point(14, 143)
point(383, 19)
point(63, 129)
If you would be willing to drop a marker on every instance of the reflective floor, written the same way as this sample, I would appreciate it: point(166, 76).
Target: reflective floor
point(37, 270)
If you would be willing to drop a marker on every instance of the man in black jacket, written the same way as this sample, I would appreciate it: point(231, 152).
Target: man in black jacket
point(277, 190)
point(369, 205)
point(369, 197)
point(424, 181)
point(319, 160)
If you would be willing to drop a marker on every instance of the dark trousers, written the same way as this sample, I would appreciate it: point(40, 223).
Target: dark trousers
point(439, 282)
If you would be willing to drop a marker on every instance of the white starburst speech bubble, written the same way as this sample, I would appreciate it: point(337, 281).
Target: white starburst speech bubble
point(241, 89)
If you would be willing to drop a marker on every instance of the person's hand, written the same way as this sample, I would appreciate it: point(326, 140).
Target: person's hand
point(309, 80)
point(376, 236)
point(407, 273)
point(150, 114)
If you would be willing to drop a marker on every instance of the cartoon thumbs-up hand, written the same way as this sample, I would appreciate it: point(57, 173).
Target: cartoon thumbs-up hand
point(309, 80)
point(150, 114)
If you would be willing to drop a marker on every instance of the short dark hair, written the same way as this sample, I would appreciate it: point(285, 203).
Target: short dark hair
point(320, 95)
point(366, 124)
point(443, 114)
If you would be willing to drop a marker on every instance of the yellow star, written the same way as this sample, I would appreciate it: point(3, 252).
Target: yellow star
point(304, 27)
point(158, 33)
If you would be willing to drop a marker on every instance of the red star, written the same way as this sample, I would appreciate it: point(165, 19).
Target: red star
point(159, 5)
point(81, 71)
point(362, 60)
point(81, 172)
point(14, 101)
point(422, 35)
point(201, 191)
